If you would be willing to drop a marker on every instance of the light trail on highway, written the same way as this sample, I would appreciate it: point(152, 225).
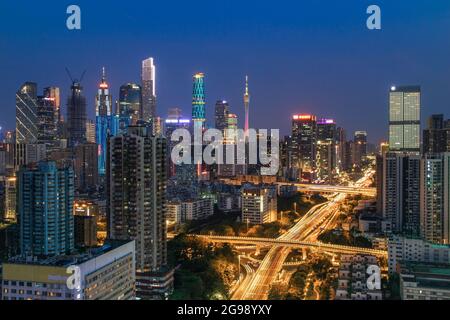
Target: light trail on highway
point(272, 263)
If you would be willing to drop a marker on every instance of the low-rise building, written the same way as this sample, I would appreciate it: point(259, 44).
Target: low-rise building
point(105, 273)
point(424, 281)
point(403, 249)
point(258, 206)
point(353, 277)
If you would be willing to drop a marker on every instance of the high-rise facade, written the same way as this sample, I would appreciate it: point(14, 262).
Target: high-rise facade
point(104, 118)
point(221, 110)
point(359, 147)
point(130, 105)
point(404, 118)
point(148, 82)
point(401, 201)
point(26, 113)
point(436, 138)
point(85, 165)
point(304, 137)
point(136, 187)
point(198, 101)
point(326, 150)
point(435, 198)
point(76, 115)
point(45, 209)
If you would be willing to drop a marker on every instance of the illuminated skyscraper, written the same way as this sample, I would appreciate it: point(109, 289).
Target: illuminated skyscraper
point(404, 119)
point(130, 104)
point(103, 122)
point(198, 101)
point(148, 83)
point(359, 147)
point(26, 113)
point(303, 144)
point(76, 115)
point(221, 115)
point(246, 106)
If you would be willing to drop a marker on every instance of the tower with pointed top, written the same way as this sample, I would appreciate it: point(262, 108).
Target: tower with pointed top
point(103, 121)
point(246, 106)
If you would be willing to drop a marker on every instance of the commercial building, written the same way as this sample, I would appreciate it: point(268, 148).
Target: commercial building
point(303, 145)
point(106, 273)
point(130, 105)
point(76, 116)
point(359, 147)
point(26, 113)
point(85, 222)
point(104, 119)
point(221, 115)
point(404, 118)
point(148, 82)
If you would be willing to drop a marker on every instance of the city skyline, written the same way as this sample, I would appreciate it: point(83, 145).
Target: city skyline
point(306, 69)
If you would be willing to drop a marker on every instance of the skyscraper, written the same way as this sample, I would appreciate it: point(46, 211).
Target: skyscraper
point(404, 119)
point(76, 115)
point(45, 209)
point(246, 107)
point(359, 147)
point(198, 101)
point(221, 115)
point(26, 113)
point(47, 124)
point(326, 149)
point(304, 137)
point(53, 94)
point(85, 165)
point(136, 187)
point(436, 138)
point(148, 83)
point(103, 122)
point(130, 105)
point(401, 202)
point(435, 198)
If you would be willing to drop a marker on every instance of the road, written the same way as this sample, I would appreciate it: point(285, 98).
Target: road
point(272, 263)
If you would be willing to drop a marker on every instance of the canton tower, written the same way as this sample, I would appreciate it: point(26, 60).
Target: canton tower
point(198, 101)
point(246, 107)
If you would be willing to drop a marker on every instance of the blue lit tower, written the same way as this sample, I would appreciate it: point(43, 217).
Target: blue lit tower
point(103, 119)
point(198, 101)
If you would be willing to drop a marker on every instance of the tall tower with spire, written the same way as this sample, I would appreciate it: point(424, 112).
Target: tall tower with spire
point(103, 121)
point(246, 107)
point(198, 101)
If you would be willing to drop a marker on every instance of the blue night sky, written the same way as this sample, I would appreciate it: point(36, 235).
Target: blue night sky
point(306, 56)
